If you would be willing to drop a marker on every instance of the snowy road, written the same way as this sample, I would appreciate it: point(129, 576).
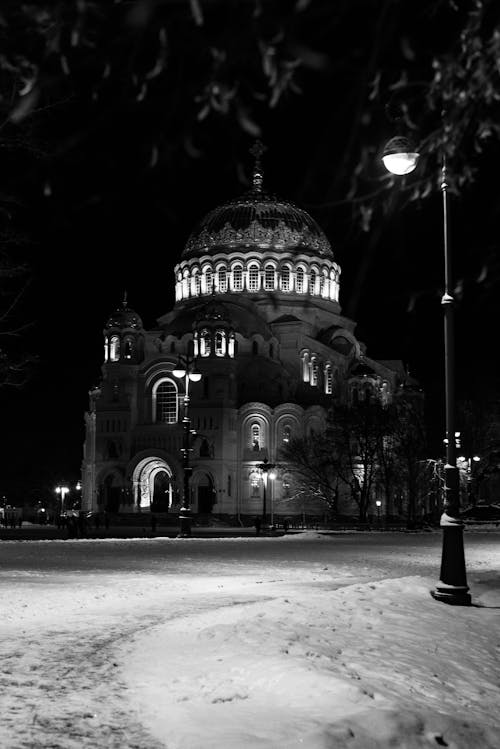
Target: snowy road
point(302, 641)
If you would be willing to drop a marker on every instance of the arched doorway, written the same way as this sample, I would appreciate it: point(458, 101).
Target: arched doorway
point(206, 495)
point(153, 485)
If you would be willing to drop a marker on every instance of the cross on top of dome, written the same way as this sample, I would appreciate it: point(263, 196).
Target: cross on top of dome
point(257, 151)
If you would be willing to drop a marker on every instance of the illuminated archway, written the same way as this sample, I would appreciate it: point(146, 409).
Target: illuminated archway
point(153, 483)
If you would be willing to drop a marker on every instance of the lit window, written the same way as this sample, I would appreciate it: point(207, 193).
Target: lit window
point(205, 343)
point(208, 280)
point(314, 372)
point(128, 348)
point(312, 282)
point(114, 348)
point(238, 278)
point(231, 346)
point(286, 435)
point(324, 284)
point(255, 484)
point(328, 379)
point(253, 278)
point(305, 367)
point(196, 284)
point(269, 278)
point(285, 279)
point(220, 343)
point(222, 280)
point(165, 402)
point(106, 349)
point(299, 283)
point(255, 436)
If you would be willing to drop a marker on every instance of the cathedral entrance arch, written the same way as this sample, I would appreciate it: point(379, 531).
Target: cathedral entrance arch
point(205, 493)
point(153, 485)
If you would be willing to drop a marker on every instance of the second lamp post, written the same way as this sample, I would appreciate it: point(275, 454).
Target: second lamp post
point(400, 158)
point(186, 370)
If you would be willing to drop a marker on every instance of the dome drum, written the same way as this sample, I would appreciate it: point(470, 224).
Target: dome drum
point(257, 274)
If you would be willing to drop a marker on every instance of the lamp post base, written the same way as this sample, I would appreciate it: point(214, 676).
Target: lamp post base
point(184, 523)
point(451, 595)
point(452, 587)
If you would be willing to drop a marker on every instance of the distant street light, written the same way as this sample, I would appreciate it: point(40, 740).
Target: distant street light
point(468, 465)
point(400, 157)
point(186, 370)
point(62, 491)
point(379, 504)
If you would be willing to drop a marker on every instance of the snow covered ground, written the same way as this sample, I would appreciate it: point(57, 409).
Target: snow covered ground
point(303, 641)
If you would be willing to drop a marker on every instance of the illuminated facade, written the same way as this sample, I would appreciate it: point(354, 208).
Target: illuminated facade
point(257, 304)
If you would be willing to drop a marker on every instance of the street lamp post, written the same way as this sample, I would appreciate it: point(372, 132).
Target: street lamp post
point(379, 504)
point(186, 369)
point(62, 491)
point(266, 471)
point(400, 158)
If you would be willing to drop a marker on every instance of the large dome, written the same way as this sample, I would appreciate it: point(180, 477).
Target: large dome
point(257, 219)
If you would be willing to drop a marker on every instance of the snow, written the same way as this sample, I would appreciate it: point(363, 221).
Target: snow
point(314, 641)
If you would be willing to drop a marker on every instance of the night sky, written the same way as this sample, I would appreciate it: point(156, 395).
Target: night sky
point(118, 183)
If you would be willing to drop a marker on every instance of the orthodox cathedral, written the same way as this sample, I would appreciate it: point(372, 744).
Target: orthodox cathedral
point(257, 314)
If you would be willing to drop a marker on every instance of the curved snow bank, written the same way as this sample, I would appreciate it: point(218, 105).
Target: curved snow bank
point(367, 665)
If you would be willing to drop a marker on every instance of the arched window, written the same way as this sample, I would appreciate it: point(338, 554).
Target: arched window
point(321, 284)
point(208, 280)
point(255, 437)
point(299, 282)
point(314, 371)
point(253, 278)
point(205, 343)
point(165, 402)
point(231, 346)
point(106, 349)
point(328, 379)
point(185, 284)
point(196, 283)
point(220, 343)
point(255, 348)
point(312, 282)
point(114, 348)
point(269, 278)
point(286, 434)
point(285, 279)
point(306, 372)
point(325, 283)
point(128, 348)
point(222, 279)
point(238, 278)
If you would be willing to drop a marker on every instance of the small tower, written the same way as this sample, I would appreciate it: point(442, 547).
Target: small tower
point(123, 336)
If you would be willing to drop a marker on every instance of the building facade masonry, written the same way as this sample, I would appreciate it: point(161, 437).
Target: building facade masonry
point(257, 306)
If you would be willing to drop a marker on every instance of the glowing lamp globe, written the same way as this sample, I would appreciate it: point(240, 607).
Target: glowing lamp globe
point(399, 157)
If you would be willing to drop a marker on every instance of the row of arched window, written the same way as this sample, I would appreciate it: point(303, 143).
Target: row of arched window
point(115, 348)
point(256, 437)
point(317, 280)
point(311, 369)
